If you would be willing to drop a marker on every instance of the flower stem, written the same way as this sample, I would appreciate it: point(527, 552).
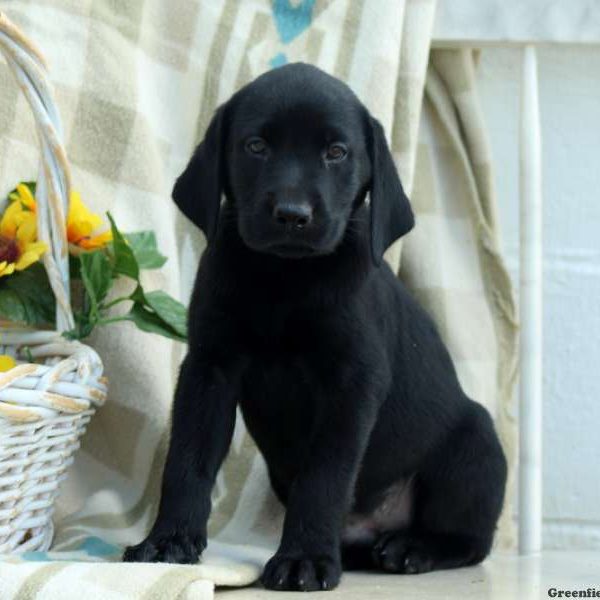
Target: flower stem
point(115, 301)
point(112, 320)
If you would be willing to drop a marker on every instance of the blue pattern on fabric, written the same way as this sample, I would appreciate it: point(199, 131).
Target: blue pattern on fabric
point(91, 546)
point(35, 556)
point(94, 546)
point(278, 61)
point(292, 18)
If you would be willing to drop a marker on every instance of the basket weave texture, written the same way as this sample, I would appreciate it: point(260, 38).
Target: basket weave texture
point(46, 405)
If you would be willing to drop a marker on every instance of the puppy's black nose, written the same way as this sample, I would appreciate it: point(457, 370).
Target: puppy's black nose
point(293, 215)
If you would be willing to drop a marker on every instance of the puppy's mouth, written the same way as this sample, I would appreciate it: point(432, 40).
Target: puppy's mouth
point(291, 250)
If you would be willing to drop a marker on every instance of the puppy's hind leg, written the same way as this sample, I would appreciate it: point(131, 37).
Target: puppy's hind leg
point(459, 495)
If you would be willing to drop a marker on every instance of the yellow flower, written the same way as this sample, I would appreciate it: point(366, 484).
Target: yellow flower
point(83, 226)
point(24, 196)
point(18, 229)
point(6, 362)
point(19, 247)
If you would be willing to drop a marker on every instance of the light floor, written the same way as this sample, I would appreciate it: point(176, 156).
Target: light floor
point(502, 577)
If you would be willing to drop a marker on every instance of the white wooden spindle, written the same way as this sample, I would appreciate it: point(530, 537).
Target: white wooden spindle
point(530, 463)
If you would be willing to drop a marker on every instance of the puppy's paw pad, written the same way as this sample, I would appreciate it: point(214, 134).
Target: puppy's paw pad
point(176, 548)
point(146, 551)
point(389, 551)
point(399, 553)
point(417, 561)
point(302, 573)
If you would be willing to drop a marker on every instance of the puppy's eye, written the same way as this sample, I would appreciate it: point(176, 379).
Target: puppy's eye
point(336, 152)
point(256, 145)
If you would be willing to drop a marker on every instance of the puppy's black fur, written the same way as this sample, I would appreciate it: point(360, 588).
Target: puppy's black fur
point(378, 455)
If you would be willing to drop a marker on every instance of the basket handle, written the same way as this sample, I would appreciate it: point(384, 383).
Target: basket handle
point(54, 181)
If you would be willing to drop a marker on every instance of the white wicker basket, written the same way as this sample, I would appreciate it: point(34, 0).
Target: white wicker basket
point(45, 406)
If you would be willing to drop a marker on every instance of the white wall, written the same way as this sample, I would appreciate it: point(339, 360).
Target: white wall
point(570, 106)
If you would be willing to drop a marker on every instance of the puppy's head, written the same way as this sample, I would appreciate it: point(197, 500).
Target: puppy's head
point(295, 153)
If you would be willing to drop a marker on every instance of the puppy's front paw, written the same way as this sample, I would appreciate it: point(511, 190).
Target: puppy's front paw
point(304, 573)
point(173, 548)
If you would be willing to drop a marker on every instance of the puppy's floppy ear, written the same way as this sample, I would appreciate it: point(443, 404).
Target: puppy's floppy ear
point(391, 214)
point(198, 189)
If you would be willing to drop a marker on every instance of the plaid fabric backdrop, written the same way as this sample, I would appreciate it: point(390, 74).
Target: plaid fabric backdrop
point(137, 83)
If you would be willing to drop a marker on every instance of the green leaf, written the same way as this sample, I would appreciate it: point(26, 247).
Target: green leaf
point(125, 260)
point(83, 327)
point(145, 249)
point(26, 297)
point(169, 310)
point(150, 322)
point(138, 295)
point(32, 185)
point(26, 350)
point(166, 312)
point(96, 274)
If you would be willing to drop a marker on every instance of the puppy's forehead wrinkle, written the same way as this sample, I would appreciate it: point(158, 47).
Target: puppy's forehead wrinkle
point(298, 80)
point(299, 102)
point(300, 95)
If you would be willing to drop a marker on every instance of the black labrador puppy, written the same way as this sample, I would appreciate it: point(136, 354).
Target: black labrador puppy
point(378, 455)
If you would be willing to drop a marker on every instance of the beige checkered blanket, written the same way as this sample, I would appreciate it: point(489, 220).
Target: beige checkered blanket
point(136, 83)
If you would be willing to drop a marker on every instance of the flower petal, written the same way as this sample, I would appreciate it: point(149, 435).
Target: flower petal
point(78, 230)
point(8, 270)
point(26, 196)
point(97, 241)
point(7, 362)
point(31, 253)
point(78, 211)
point(80, 217)
point(27, 229)
point(9, 222)
point(38, 247)
point(25, 260)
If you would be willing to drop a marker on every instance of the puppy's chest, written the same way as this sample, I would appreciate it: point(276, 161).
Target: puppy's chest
point(271, 332)
point(280, 405)
point(286, 350)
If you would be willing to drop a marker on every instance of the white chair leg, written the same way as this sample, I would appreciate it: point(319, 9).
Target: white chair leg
point(530, 417)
